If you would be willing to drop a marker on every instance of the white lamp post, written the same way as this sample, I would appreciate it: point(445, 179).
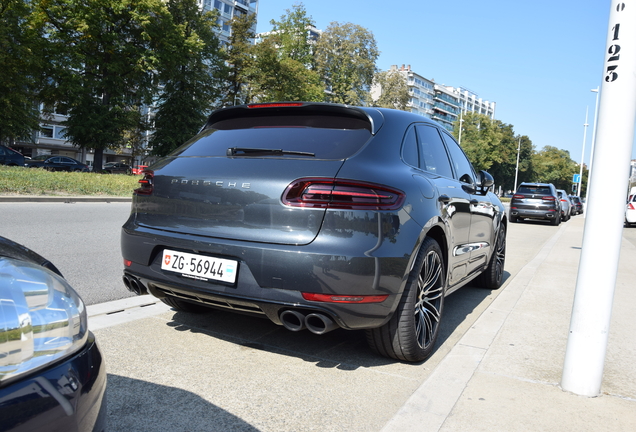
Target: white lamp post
point(589, 173)
point(578, 189)
point(517, 169)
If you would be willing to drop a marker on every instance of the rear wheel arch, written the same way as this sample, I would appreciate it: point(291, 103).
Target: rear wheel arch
point(438, 234)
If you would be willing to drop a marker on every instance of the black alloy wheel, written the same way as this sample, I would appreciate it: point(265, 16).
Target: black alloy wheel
point(412, 331)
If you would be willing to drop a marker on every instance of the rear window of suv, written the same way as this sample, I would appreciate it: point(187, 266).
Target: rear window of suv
point(534, 190)
point(327, 137)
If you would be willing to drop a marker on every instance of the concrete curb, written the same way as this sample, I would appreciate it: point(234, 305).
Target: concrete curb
point(122, 311)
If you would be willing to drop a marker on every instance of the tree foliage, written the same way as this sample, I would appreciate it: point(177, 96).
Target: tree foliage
point(345, 58)
point(492, 145)
point(21, 64)
point(553, 165)
point(291, 37)
point(104, 65)
point(394, 90)
point(189, 71)
point(283, 62)
point(240, 60)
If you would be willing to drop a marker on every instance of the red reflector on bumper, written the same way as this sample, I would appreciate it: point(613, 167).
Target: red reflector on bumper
point(334, 298)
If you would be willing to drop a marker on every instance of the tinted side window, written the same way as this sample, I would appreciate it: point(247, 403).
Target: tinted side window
point(433, 156)
point(463, 169)
point(409, 149)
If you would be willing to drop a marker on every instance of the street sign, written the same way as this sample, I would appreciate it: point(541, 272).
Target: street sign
point(576, 178)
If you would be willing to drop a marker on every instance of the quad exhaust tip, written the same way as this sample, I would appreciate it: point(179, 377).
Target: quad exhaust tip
point(316, 323)
point(134, 285)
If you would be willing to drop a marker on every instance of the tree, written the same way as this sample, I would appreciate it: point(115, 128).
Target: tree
point(276, 78)
point(282, 69)
point(103, 65)
point(20, 65)
point(239, 58)
point(492, 145)
point(553, 165)
point(291, 35)
point(394, 90)
point(345, 58)
point(190, 65)
point(481, 137)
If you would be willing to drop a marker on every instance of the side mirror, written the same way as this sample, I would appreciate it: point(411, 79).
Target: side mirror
point(485, 181)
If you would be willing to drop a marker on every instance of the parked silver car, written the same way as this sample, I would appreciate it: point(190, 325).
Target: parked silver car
point(566, 205)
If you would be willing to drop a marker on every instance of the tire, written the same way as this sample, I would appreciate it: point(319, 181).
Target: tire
point(514, 219)
point(556, 221)
point(492, 277)
point(411, 333)
point(184, 306)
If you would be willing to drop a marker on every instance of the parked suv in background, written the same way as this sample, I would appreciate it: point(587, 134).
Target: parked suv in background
point(318, 216)
point(566, 205)
point(10, 157)
point(577, 205)
point(536, 201)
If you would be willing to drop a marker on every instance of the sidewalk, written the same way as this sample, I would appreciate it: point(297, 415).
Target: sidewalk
point(505, 372)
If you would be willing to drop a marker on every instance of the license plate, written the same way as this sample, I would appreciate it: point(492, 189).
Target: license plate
point(199, 267)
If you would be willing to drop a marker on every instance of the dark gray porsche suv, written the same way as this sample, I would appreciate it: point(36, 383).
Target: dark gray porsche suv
point(318, 216)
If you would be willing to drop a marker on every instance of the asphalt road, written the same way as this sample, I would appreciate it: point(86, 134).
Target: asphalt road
point(81, 239)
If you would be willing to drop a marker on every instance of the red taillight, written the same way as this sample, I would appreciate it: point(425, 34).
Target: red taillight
point(146, 183)
point(631, 206)
point(275, 105)
point(127, 263)
point(549, 198)
point(341, 194)
point(333, 298)
point(517, 196)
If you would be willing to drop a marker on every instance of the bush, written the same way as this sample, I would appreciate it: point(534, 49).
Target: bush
point(36, 181)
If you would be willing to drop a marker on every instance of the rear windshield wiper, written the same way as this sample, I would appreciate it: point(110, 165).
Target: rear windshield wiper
point(242, 151)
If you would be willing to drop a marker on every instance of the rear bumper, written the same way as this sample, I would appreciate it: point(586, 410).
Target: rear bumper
point(272, 278)
point(533, 214)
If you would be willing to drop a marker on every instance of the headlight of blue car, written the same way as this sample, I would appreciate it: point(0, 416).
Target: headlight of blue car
point(42, 319)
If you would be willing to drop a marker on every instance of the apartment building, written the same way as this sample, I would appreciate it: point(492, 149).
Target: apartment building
point(439, 102)
point(228, 9)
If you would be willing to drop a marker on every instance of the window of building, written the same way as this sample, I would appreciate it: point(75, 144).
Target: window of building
point(46, 132)
point(228, 9)
point(59, 132)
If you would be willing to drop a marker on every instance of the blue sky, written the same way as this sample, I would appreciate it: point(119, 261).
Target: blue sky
point(537, 59)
